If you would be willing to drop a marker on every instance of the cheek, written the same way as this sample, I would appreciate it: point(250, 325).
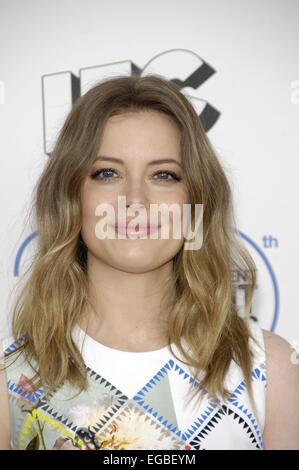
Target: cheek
point(175, 202)
point(90, 199)
point(177, 197)
point(88, 205)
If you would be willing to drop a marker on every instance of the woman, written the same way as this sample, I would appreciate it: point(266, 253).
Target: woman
point(137, 342)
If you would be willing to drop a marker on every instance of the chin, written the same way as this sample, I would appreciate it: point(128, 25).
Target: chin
point(135, 264)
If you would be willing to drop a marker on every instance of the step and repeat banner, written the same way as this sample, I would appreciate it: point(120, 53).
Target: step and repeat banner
point(238, 62)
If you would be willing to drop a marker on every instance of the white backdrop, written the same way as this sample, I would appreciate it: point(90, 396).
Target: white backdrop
point(237, 61)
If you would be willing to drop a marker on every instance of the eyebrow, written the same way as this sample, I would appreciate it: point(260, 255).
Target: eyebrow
point(153, 162)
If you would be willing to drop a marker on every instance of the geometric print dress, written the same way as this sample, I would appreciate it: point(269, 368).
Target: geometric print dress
point(135, 400)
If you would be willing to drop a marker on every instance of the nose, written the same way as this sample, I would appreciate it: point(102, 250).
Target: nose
point(135, 193)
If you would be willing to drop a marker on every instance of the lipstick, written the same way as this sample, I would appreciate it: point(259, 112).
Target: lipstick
point(136, 231)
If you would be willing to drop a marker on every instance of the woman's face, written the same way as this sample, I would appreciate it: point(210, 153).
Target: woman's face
point(135, 139)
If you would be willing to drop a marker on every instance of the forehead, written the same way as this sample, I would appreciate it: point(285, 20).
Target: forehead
point(145, 135)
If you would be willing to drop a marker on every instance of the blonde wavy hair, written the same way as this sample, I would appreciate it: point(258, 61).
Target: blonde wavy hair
point(201, 292)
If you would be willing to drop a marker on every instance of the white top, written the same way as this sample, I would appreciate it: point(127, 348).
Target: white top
point(138, 400)
point(160, 383)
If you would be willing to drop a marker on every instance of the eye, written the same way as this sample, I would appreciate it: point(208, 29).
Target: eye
point(108, 171)
point(168, 175)
point(173, 176)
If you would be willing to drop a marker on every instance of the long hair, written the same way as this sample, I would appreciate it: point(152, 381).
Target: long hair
point(202, 291)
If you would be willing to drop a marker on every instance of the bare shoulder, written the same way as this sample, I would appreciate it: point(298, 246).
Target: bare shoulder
point(281, 429)
point(4, 406)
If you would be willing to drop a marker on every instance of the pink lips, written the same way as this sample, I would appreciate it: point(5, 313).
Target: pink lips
point(137, 230)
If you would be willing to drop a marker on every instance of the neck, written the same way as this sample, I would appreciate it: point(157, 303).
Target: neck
point(127, 306)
